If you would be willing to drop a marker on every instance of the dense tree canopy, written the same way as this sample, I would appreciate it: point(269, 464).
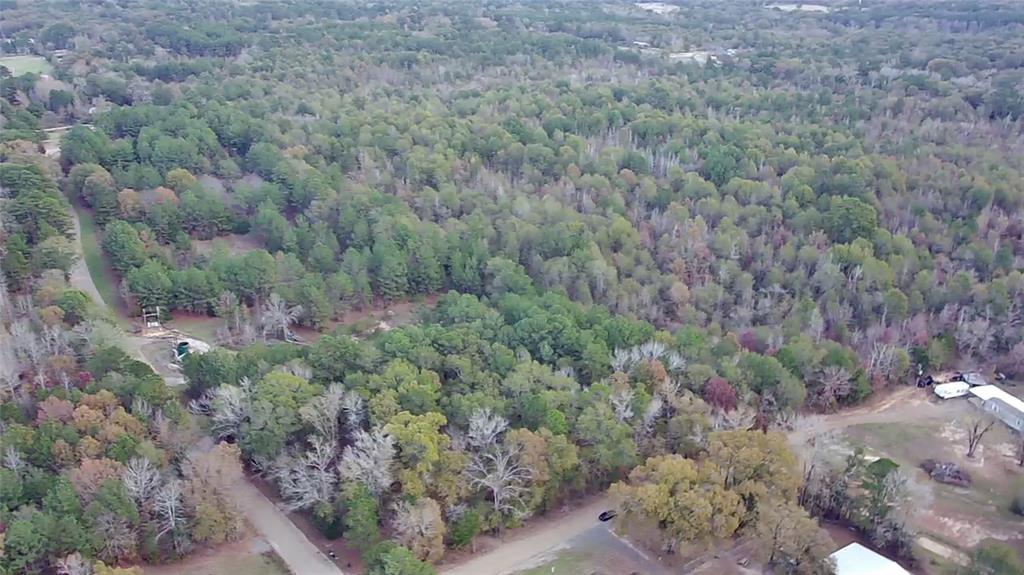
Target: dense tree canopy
point(641, 236)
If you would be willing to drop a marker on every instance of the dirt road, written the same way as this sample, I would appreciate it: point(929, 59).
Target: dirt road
point(906, 404)
point(301, 556)
point(513, 552)
point(80, 278)
point(273, 525)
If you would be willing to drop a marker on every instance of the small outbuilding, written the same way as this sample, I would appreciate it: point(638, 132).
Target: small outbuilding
point(993, 399)
point(856, 559)
point(951, 390)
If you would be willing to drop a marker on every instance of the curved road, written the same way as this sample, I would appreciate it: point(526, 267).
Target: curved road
point(511, 554)
point(904, 404)
point(273, 524)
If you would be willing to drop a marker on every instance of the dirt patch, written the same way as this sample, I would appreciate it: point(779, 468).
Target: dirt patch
point(251, 556)
point(942, 550)
point(159, 354)
point(199, 326)
point(370, 320)
point(235, 244)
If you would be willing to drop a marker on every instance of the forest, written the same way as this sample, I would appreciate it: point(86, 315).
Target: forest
point(650, 243)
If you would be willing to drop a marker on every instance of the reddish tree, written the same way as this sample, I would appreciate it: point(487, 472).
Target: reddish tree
point(720, 394)
point(750, 341)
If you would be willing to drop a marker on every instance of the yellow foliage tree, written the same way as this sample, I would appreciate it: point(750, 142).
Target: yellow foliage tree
point(755, 465)
point(685, 498)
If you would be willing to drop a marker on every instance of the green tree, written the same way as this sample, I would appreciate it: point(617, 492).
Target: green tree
point(995, 558)
point(122, 243)
point(685, 499)
point(75, 305)
point(205, 371)
point(787, 538)
point(391, 559)
point(150, 284)
point(850, 218)
point(333, 357)
point(274, 413)
point(362, 517)
point(100, 192)
point(390, 271)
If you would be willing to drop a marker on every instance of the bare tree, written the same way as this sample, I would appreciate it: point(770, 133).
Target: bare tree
point(501, 473)
point(652, 412)
point(485, 427)
point(13, 459)
point(834, 384)
point(816, 325)
point(323, 413)
point(74, 564)
point(229, 407)
point(622, 401)
point(976, 429)
point(625, 359)
point(974, 337)
point(141, 479)
point(277, 317)
point(116, 536)
point(743, 417)
point(309, 479)
point(1020, 449)
point(355, 412)
point(170, 514)
point(420, 527)
point(369, 460)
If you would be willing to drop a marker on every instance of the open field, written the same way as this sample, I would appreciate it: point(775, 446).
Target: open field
point(19, 65)
point(949, 520)
point(199, 326)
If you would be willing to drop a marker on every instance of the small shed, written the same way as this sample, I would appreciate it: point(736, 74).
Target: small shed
point(856, 559)
point(993, 399)
point(974, 378)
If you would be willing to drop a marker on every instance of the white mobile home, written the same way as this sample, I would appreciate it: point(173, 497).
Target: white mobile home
point(1008, 408)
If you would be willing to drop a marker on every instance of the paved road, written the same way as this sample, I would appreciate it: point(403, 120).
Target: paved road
point(510, 554)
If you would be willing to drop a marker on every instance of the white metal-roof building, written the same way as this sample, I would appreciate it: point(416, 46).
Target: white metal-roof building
point(856, 559)
point(951, 390)
point(1008, 408)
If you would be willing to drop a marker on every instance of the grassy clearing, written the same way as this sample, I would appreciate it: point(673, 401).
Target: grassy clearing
point(100, 271)
point(19, 65)
point(198, 326)
point(955, 516)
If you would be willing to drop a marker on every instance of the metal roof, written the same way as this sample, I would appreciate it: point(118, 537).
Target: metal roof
point(951, 390)
point(987, 392)
point(856, 559)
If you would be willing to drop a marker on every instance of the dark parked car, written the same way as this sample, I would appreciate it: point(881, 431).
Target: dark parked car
point(607, 515)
